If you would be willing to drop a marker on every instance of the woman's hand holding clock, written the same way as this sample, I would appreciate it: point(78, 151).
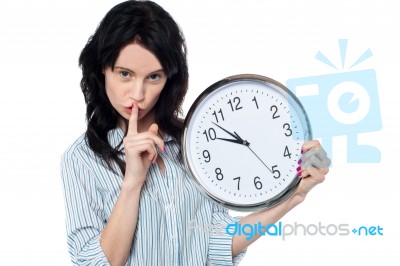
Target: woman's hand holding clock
point(313, 166)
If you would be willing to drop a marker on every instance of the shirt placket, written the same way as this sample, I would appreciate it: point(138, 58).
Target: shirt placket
point(170, 210)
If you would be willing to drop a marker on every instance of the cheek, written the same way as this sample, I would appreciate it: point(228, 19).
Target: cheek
point(155, 95)
point(111, 90)
point(110, 93)
point(108, 87)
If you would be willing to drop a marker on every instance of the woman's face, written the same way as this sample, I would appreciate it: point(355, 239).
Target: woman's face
point(137, 77)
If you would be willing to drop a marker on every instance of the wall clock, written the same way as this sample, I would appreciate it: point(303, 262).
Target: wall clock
point(242, 141)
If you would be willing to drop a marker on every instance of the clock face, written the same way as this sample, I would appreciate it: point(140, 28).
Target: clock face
point(243, 139)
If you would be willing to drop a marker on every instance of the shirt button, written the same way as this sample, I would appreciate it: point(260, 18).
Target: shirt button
point(168, 207)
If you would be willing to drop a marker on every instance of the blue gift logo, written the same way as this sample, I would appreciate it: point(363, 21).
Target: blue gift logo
point(344, 103)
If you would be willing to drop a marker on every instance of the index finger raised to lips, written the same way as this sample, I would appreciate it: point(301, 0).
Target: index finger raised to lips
point(132, 126)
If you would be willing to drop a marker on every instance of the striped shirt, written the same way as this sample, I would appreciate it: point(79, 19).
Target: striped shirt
point(177, 225)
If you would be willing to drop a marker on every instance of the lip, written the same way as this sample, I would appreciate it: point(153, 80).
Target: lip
point(129, 110)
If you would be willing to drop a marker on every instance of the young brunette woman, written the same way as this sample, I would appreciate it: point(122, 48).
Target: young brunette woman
point(129, 199)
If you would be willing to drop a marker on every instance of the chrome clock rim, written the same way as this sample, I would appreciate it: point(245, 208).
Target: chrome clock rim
point(292, 186)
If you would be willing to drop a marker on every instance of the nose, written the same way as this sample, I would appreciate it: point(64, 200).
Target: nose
point(137, 90)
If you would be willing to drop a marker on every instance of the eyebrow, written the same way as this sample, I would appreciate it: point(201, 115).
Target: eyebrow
point(124, 68)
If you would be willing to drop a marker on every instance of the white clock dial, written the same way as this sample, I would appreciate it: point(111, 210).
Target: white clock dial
point(243, 139)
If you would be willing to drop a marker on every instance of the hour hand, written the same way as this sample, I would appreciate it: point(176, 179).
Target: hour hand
point(232, 140)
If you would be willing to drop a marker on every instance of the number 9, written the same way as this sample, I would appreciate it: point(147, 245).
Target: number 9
point(207, 156)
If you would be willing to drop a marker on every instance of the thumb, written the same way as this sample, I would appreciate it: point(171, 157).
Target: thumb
point(154, 128)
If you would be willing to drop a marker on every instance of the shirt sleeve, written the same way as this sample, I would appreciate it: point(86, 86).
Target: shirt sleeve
point(83, 213)
point(220, 247)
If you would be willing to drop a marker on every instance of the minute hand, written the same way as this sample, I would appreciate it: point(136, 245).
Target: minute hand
point(237, 138)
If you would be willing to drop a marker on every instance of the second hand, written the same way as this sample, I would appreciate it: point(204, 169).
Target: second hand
point(259, 158)
point(239, 140)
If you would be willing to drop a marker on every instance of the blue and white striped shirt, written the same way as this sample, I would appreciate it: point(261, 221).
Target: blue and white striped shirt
point(171, 212)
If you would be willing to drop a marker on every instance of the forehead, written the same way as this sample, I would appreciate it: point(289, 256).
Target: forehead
point(138, 59)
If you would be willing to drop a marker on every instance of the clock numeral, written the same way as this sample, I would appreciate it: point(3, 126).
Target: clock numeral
point(207, 156)
point(210, 134)
point(236, 101)
point(275, 110)
point(276, 172)
point(238, 179)
point(216, 115)
point(257, 183)
point(286, 153)
point(219, 175)
point(255, 101)
point(289, 131)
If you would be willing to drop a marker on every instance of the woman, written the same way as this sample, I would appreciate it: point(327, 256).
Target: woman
point(129, 199)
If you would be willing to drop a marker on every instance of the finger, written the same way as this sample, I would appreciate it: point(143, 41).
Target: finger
point(311, 144)
point(158, 141)
point(145, 136)
point(147, 146)
point(315, 168)
point(316, 158)
point(154, 128)
point(318, 175)
point(303, 173)
point(132, 127)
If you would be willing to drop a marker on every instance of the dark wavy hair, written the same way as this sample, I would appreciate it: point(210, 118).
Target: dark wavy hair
point(151, 26)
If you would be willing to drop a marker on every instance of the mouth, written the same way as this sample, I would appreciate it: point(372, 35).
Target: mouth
point(129, 109)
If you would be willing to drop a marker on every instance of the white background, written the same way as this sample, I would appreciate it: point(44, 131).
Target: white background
point(42, 112)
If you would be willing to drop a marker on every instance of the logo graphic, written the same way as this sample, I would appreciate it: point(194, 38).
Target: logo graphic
point(285, 230)
point(344, 103)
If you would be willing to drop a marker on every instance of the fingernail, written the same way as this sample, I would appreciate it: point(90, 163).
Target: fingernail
point(133, 104)
point(301, 151)
point(299, 174)
point(300, 161)
point(298, 169)
point(165, 149)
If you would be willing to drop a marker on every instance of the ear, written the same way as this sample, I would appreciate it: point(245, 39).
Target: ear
point(103, 70)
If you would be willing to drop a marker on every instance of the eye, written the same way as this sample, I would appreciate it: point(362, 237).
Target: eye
point(154, 77)
point(124, 74)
